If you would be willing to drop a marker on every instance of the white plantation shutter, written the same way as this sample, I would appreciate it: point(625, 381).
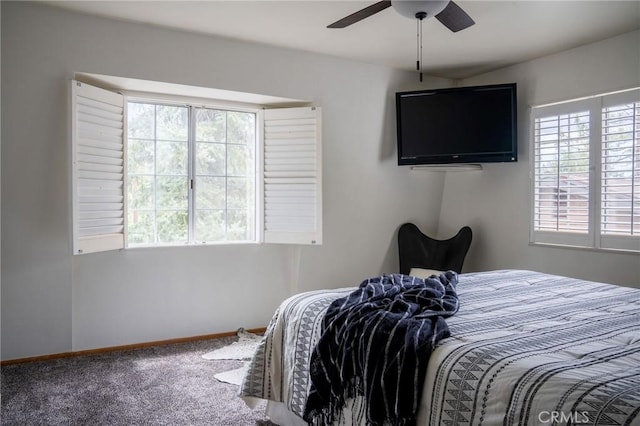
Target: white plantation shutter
point(585, 172)
point(97, 139)
point(562, 175)
point(292, 175)
point(620, 175)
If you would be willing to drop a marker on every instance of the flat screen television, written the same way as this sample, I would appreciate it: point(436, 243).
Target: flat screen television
point(457, 125)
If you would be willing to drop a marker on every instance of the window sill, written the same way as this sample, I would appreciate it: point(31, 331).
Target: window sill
point(185, 245)
point(582, 248)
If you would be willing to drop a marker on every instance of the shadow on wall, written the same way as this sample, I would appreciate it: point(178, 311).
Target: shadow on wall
point(391, 255)
point(388, 131)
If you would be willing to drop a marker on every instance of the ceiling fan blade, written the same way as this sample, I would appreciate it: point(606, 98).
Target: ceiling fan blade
point(361, 14)
point(454, 18)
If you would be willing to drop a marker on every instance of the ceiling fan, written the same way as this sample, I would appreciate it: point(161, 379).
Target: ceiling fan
point(446, 11)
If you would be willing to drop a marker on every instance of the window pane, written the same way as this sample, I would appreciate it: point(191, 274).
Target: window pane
point(211, 125)
point(241, 127)
point(157, 166)
point(210, 159)
point(172, 123)
point(172, 226)
point(620, 208)
point(210, 225)
point(238, 193)
point(172, 158)
point(239, 225)
point(561, 166)
point(141, 227)
point(240, 160)
point(210, 193)
point(140, 156)
point(140, 192)
point(140, 120)
point(171, 192)
point(225, 171)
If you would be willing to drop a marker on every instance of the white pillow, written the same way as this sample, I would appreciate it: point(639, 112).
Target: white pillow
point(423, 273)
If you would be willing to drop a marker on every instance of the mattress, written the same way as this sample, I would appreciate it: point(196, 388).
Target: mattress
point(526, 348)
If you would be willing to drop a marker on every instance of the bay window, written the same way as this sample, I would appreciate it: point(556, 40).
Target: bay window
point(149, 173)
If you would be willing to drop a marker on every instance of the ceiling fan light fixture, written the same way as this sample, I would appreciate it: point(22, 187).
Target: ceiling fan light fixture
point(446, 11)
point(411, 8)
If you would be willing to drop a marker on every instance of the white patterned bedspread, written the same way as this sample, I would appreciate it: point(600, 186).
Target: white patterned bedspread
point(526, 348)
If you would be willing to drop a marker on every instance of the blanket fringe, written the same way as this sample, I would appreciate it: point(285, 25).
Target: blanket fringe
point(333, 413)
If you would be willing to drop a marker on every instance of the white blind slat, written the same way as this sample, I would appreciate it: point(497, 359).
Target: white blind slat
point(96, 159)
point(280, 122)
point(88, 174)
point(301, 145)
point(86, 215)
point(87, 142)
point(279, 161)
point(89, 126)
point(101, 206)
point(289, 156)
point(100, 230)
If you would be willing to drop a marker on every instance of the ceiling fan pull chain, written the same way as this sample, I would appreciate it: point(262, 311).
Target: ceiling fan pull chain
point(417, 45)
point(419, 17)
point(421, 50)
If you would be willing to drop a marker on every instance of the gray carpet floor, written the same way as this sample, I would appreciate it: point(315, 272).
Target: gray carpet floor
point(163, 385)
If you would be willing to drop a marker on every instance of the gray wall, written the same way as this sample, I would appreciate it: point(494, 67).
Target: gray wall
point(54, 302)
point(495, 202)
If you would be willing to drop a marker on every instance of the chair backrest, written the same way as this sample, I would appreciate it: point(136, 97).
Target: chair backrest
point(417, 250)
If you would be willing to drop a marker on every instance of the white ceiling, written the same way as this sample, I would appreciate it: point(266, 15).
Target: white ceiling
point(505, 33)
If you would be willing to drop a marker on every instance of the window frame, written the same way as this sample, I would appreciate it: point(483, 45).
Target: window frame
point(299, 124)
point(593, 239)
point(193, 105)
point(618, 242)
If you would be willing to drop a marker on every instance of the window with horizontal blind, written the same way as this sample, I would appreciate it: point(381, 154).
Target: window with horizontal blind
point(586, 172)
point(149, 173)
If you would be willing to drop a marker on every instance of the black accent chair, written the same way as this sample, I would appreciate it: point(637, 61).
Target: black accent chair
point(417, 250)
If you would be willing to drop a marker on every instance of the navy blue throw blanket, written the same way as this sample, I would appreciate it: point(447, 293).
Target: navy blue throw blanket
point(376, 343)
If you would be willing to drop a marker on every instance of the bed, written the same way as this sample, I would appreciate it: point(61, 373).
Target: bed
point(526, 348)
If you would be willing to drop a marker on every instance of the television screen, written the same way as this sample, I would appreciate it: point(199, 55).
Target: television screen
point(457, 125)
